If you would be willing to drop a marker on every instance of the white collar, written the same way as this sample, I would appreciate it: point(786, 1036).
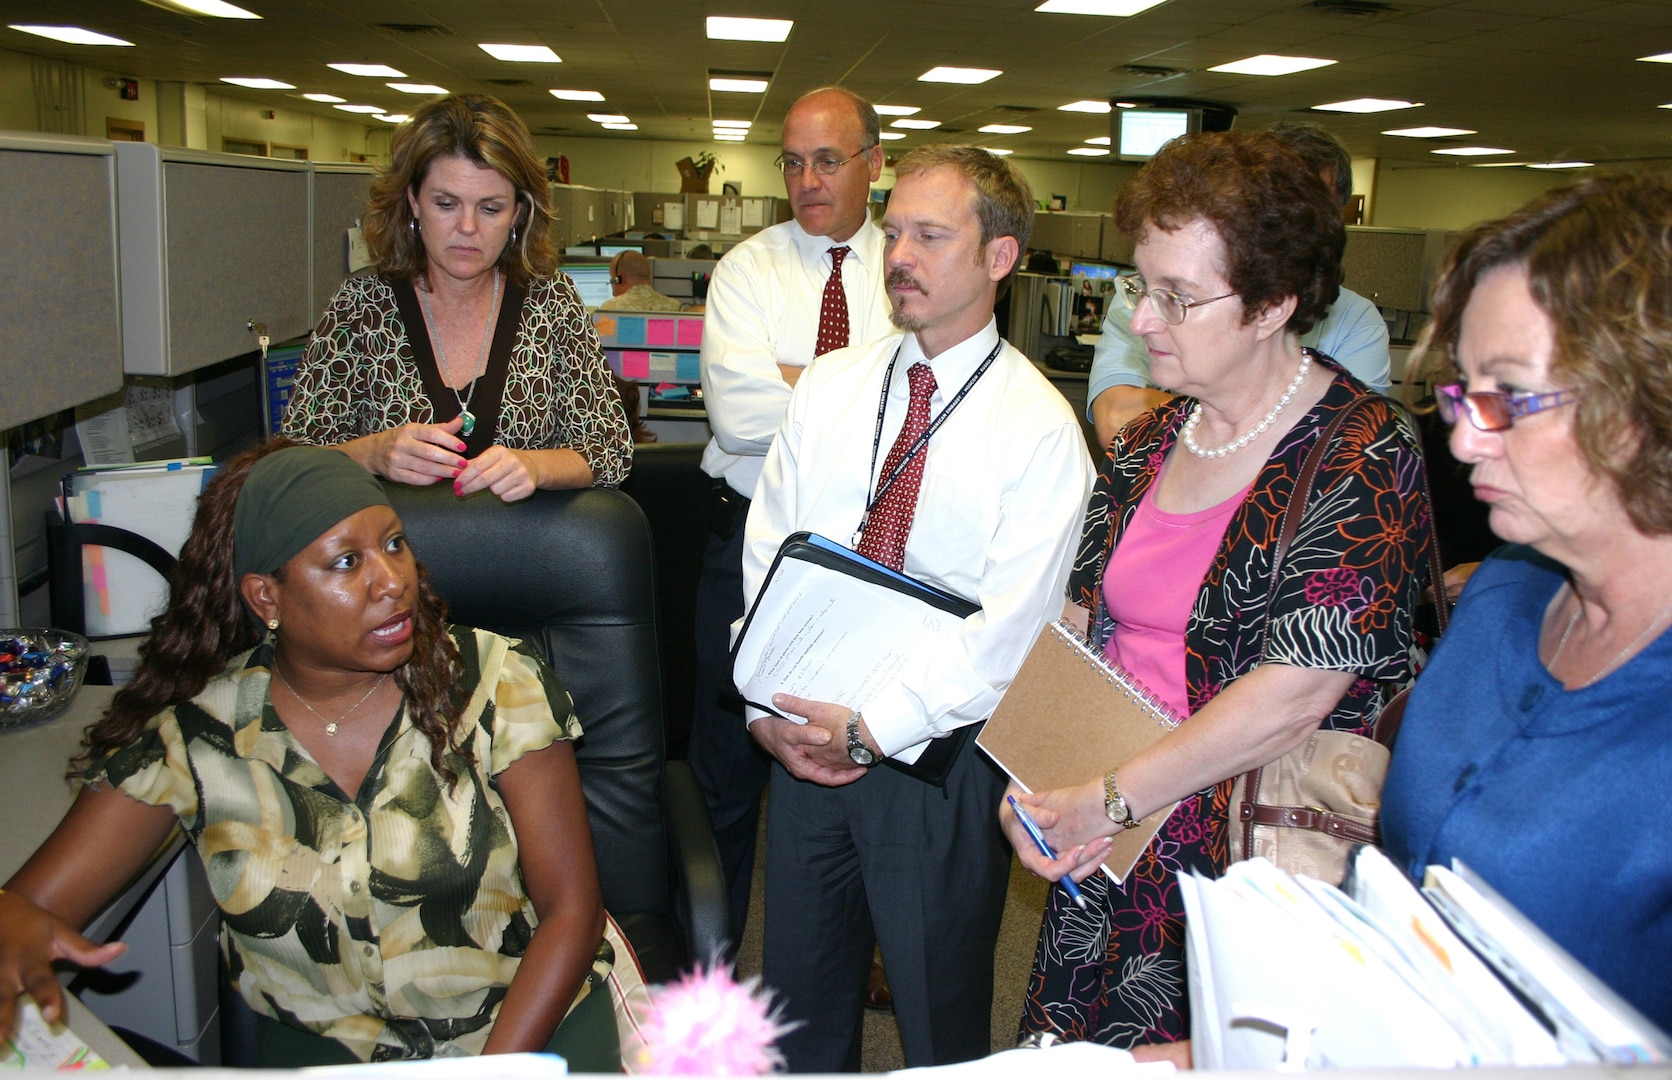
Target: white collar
point(956, 364)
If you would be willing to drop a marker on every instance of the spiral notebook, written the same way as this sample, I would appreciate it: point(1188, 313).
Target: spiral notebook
point(1070, 715)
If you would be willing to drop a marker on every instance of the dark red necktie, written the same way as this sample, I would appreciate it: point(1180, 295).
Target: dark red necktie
point(833, 313)
point(890, 521)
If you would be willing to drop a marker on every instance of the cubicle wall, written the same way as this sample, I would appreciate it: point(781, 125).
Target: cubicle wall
point(337, 199)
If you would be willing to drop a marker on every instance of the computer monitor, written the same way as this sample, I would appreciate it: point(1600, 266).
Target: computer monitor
point(610, 249)
point(592, 282)
point(1094, 270)
point(588, 251)
point(1141, 132)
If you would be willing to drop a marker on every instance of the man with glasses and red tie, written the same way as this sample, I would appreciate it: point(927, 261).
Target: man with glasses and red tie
point(942, 453)
point(783, 296)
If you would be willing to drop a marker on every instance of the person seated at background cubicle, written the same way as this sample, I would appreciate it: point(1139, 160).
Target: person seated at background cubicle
point(388, 807)
point(1535, 745)
point(466, 357)
point(630, 280)
point(1352, 332)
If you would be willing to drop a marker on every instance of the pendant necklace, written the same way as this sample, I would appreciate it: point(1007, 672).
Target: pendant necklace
point(441, 355)
point(330, 725)
point(1619, 657)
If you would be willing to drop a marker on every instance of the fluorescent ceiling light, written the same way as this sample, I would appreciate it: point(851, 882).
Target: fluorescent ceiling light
point(1563, 165)
point(1006, 129)
point(1271, 64)
point(966, 76)
point(908, 110)
point(1089, 151)
point(729, 136)
point(328, 99)
point(737, 86)
point(1098, 140)
point(1114, 8)
point(734, 123)
point(723, 28)
point(394, 118)
point(1085, 106)
point(1429, 132)
point(70, 35)
point(1658, 58)
point(417, 88)
point(916, 124)
point(1367, 105)
point(520, 54)
point(890, 136)
point(367, 109)
point(260, 84)
point(998, 151)
point(1471, 151)
point(577, 95)
point(1668, 105)
point(370, 71)
point(607, 118)
point(215, 9)
point(627, 126)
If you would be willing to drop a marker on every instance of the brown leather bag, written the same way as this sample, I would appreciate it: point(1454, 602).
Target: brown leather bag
point(1309, 808)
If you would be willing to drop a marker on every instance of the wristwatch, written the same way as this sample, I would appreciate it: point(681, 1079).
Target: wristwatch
point(1114, 804)
point(857, 750)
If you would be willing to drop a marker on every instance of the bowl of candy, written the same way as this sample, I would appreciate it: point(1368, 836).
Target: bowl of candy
point(40, 671)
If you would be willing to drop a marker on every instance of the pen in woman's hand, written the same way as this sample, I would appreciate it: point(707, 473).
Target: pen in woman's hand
point(1039, 839)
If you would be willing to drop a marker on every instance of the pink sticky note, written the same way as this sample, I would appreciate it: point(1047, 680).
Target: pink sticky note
point(635, 365)
point(690, 331)
point(658, 331)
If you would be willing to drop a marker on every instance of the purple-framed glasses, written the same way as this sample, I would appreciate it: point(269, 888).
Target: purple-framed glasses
point(1490, 410)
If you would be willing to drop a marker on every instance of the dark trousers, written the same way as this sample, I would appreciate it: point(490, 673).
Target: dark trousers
point(892, 861)
point(730, 766)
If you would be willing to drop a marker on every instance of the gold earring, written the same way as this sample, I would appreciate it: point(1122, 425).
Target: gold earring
point(272, 624)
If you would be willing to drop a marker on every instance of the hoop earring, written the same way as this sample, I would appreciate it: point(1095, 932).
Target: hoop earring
point(412, 223)
point(513, 236)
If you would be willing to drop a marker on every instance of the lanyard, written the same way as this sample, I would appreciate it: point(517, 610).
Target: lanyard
point(922, 440)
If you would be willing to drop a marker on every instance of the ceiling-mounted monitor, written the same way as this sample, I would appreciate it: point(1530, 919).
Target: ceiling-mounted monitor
point(1140, 132)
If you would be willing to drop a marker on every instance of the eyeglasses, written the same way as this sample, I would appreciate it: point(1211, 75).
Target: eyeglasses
point(824, 166)
point(1490, 410)
point(1171, 306)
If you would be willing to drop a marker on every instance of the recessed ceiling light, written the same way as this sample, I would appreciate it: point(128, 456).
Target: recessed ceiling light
point(998, 151)
point(1085, 106)
point(1668, 105)
point(215, 9)
point(328, 99)
point(966, 76)
point(1367, 105)
point(734, 124)
point(1098, 140)
point(1271, 64)
point(1429, 132)
point(370, 71)
point(737, 86)
point(723, 28)
point(520, 54)
point(417, 88)
point(607, 118)
point(1126, 104)
point(729, 136)
point(260, 84)
point(1089, 151)
point(1005, 129)
point(1471, 151)
point(620, 127)
point(394, 118)
point(890, 136)
point(70, 35)
point(1114, 8)
point(915, 124)
point(1563, 165)
point(908, 110)
point(577, 95)
point(1658, 58)
point(367, 109)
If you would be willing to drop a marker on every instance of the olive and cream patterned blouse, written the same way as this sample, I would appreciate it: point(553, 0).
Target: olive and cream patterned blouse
point(393, 921)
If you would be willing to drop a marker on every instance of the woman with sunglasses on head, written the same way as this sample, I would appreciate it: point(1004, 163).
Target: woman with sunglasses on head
point(1535, 746)
point(1239, 252)
point(466, 358)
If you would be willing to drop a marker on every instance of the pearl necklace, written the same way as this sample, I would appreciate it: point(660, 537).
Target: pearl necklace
point(1619, 657)
point(441, 355)
point(330, 725)
point(1257, 430)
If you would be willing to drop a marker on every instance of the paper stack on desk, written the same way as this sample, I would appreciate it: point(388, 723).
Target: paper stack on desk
point(37, 1045)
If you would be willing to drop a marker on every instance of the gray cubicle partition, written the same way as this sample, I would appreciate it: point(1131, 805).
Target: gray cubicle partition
point(211, 243)
point(338, 192)
point(60, 311)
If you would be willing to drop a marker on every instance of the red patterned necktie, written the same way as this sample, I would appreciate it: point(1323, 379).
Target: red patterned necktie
point(833, 312)
point(890, 521)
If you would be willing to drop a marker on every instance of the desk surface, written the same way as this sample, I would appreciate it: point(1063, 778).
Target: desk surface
point(34, 795)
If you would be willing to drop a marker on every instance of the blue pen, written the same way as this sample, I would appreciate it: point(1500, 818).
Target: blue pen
point(1039, 838)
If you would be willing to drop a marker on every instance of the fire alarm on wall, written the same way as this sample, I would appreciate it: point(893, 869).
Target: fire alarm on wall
point(130, 89)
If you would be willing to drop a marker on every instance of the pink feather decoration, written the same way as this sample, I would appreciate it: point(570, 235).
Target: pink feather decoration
point(707, 1024)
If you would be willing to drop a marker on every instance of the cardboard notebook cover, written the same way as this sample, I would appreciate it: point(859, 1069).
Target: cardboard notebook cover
point(1070, 716)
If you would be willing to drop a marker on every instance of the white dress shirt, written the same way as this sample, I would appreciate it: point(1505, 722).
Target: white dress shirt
point(762, 311)
point(998, 512)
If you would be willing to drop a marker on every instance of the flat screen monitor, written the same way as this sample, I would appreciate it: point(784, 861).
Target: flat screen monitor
point(1141, 132)
point(1094, 270)
point(610, 251)
point(592, 282)
point(588, 251)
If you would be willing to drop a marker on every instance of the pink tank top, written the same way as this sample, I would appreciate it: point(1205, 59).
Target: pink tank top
point(1150, 587)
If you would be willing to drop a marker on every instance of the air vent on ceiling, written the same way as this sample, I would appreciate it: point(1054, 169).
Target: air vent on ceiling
point(1352, 9)
point(509, 82)
point(415, 29)
point(1018, 108)
point(1145, 71)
